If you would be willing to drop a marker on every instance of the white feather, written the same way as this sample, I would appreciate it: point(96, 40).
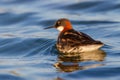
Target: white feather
point(60, 28)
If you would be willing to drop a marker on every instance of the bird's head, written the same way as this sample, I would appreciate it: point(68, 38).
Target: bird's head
point(61, 25)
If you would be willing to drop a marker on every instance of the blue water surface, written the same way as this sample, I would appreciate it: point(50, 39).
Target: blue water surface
point(27, 51)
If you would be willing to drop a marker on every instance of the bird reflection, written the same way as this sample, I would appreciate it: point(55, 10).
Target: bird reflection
point(70, 62)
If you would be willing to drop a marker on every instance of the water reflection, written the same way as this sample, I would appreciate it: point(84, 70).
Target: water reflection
point(58, 78)
point(70, 63)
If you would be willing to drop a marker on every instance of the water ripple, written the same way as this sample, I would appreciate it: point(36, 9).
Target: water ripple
point(28, 52)
point(29, 47)
point(81, 5)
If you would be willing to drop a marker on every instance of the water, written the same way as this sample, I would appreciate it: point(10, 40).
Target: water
point(27, 52)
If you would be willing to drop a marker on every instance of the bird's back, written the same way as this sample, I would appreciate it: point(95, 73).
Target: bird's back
point(73, 41)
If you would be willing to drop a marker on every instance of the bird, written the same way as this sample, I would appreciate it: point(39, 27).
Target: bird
point(72, 41)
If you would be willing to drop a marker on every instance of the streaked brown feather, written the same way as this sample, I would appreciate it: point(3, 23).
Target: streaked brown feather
point(74, 38)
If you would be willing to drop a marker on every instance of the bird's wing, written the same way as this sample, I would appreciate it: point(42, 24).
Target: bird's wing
point(75, 38)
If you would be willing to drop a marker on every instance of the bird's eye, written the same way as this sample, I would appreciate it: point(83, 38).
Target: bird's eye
point(59, 22)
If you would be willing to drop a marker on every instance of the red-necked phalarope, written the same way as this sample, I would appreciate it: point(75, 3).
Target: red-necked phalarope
point(71, 41)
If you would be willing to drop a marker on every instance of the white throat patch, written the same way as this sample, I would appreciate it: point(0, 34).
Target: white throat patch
point(60, 28)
